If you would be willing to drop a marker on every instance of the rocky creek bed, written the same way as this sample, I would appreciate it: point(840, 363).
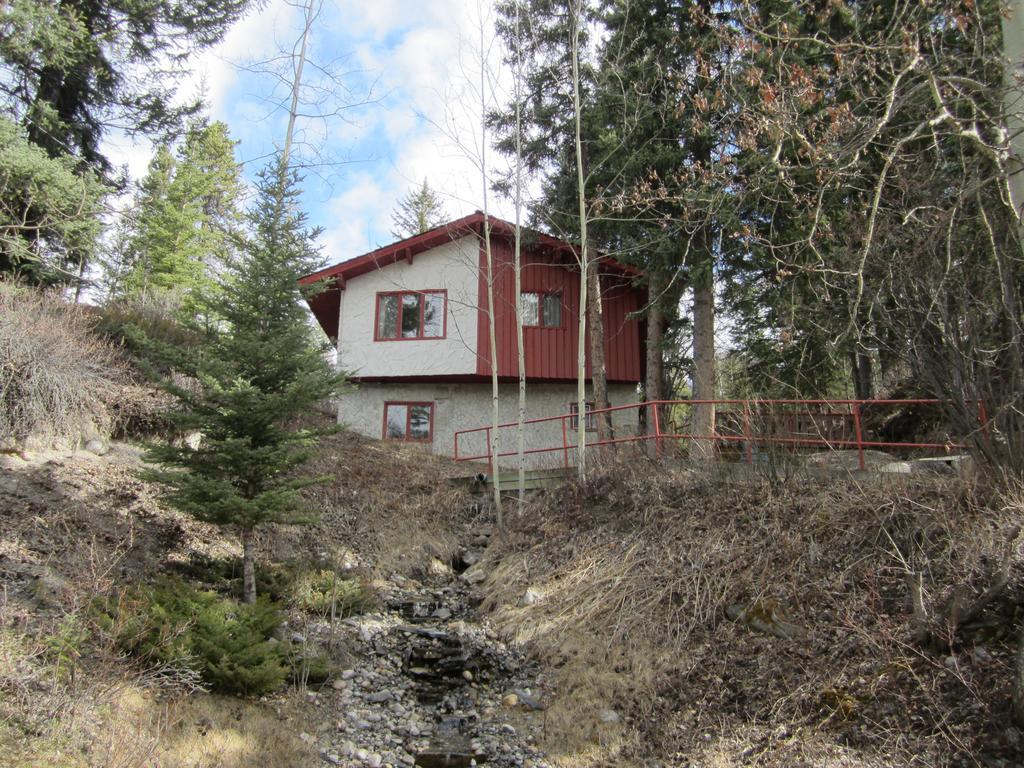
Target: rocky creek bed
point(429, 686)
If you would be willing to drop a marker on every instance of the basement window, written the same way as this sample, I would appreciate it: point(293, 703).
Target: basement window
point(409, 315)
point(409, 421)
point(541, 310)
point(574, 422)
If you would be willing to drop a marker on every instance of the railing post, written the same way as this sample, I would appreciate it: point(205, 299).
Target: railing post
point(657, 431)
point(983, 419)
point(859, 434)
point(565, 445)
point(456, 446)
point(490, 453)
point(747, 433)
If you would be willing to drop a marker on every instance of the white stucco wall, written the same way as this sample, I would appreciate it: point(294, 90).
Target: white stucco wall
point(466, 406)
point(453, 266)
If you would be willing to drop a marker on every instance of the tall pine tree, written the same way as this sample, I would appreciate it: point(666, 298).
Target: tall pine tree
point(254, 377)
point(183, 219)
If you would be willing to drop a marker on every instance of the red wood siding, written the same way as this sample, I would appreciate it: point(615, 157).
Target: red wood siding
point(551, 352)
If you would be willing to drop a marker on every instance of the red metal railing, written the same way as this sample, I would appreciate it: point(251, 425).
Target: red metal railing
point(836, 424)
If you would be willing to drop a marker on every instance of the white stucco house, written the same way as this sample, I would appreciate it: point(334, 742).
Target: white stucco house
point(410, 324)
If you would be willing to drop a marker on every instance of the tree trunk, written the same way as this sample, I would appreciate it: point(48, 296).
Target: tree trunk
point(298, 64)
point(249, 564)
point(581, 185)
point(862, 369)
point(655, 369)
point(492, 449)
point(598, 368)
point(704, 356)
point(1013, 103)
point(517, 79)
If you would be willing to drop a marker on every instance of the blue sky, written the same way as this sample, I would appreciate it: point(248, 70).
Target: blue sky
point(420, 61)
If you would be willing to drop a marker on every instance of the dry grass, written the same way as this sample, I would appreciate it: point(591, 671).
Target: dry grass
point(56, 375)
point(388, 507)
point(75, 526)
point(638, 570)
point(107, 717)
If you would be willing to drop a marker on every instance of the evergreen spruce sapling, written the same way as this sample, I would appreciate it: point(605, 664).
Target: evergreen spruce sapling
point(420, 210)
point(254, 376)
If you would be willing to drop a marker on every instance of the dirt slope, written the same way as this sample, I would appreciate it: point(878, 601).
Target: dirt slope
point(75, 525)
point(721, 623)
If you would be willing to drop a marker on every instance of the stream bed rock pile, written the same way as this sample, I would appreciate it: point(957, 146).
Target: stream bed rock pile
point(429, 687)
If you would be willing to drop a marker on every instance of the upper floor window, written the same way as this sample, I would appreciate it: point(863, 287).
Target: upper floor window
point(541, 310)
point(409, 421)
point(410, 315)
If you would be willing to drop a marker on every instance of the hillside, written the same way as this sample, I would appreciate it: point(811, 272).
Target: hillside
point(666, 618)
point(77, 527)
point(694, 621)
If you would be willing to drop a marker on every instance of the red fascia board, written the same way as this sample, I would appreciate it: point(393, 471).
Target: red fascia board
point(406, 249)
point(471, 378)
point(403, 249)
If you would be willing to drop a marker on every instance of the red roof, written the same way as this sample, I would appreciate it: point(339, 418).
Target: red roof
point(406, 249)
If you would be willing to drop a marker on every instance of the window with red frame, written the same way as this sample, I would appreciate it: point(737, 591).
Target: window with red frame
point(409, 421)
point(541, 310)
point(410, 315)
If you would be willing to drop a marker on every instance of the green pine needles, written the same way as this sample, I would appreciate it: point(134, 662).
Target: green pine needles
point(249, 382)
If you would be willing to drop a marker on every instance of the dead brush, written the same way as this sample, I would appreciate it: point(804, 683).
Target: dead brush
point(726, 606)
point(56, 374)
point(387, 506)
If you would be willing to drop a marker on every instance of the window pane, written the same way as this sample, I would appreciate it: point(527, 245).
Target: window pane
point(387, 317)
point(396, 417)
point(419, 422)
point(552, 311)
point(433, 315)
point(530, 307)
point(410, 315)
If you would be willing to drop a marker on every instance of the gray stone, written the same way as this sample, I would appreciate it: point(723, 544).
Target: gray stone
point(530, 597)
point(348, 674)
point(528, 701)
point(609, 716)
point(97, 446)
point(379, 697)
point(442, 613)
point(474, 575)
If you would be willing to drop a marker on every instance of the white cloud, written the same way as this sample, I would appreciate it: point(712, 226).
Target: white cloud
point(419, 54)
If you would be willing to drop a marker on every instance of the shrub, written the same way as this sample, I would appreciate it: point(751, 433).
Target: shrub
point(56, 374)
point(156, 315)
point(315, 592)
point(306, 668)
point(226, 642)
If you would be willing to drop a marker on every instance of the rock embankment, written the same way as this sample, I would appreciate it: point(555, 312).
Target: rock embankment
point(429, 687)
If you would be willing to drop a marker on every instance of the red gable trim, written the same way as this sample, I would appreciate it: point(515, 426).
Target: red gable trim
point(403, 249)
point(325, 304)
point(408, 248)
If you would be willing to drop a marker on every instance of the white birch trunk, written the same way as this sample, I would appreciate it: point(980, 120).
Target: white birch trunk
point(704, 375)
point(298, 64)
point(581, 357)
point(489, 257)
point(517, 75)
point(1013, 100)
